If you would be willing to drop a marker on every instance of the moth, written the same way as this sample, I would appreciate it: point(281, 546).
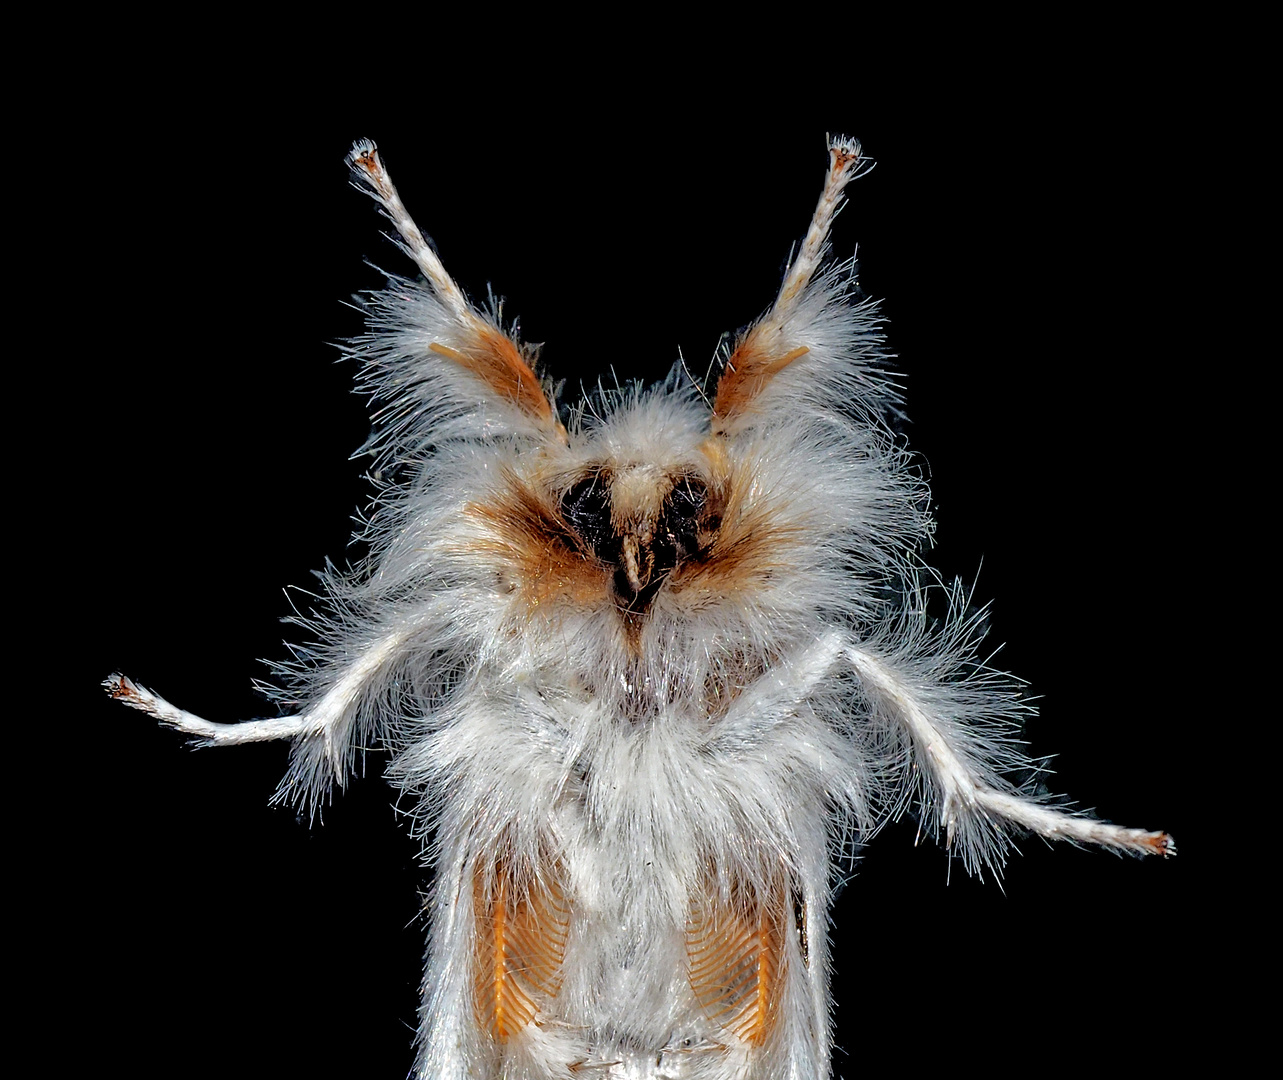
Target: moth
point(648, 666)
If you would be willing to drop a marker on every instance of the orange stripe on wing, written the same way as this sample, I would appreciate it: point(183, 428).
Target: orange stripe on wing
point(735, 950)
point(521, 942)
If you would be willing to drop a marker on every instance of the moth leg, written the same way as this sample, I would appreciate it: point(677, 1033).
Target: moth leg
point(972, 806)
point(323, 733)
point(208, 733)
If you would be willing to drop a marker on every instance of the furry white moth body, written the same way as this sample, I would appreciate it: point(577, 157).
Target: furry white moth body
point(646, 673)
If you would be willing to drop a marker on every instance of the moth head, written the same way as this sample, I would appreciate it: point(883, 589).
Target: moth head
point(641, 522)
point(640, 496)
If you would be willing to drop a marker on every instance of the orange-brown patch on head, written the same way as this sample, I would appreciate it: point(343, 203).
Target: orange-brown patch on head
point(746, 546)
point(741, 545)
point(536, 550)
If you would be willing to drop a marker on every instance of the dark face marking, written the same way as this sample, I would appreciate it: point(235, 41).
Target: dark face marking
point(657, 548)
point(677, 536)
point(586, 508)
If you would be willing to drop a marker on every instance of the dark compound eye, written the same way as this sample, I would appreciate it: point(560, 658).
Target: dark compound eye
point(586, 508)
point(687, 498)
point(679, 524)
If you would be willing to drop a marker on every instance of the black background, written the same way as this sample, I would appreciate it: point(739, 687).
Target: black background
point(1022, 239)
